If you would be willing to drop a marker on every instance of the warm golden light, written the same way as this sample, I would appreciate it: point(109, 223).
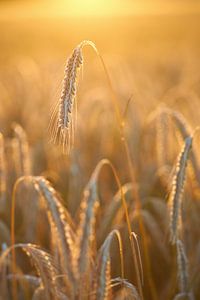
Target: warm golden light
point(91, 7)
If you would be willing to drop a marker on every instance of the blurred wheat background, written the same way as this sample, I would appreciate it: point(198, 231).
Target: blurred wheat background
point(63, 210)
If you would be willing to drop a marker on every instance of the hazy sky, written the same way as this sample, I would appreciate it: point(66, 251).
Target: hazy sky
point(56, 8)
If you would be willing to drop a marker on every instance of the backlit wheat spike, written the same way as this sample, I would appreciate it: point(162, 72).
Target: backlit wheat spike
point(2, 174)
point(103, 266)
point(86, 236)
point(181, 123)
point(62, 119)
point(177, 189)
point(43, 263)
point(59, 224)
point(45, 267)
point(183, 128)
point(21, 152)
point(85, 230)
point(179, 120)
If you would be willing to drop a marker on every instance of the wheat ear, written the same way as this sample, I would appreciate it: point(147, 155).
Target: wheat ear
point(62, 121)
point(177, 189)
point(43, 263)
point(62, 233)
point(103, 266)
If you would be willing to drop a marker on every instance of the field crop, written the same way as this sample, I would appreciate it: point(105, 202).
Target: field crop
point(99, 158)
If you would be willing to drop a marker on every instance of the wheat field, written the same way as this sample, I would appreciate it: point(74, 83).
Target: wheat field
point(99, 155)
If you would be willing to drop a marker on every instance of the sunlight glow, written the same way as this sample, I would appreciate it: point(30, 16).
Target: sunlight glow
point(92, 7)
point(100, 7)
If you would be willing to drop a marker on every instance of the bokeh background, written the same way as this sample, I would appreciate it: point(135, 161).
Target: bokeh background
point(151, 49)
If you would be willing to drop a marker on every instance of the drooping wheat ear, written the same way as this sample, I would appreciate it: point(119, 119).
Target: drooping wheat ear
point(103, 266)
point(45, 267)
point(61, 230)
point(62, 120)
point(43, 263)
point(85, 230)
point(184, 130)
point(179, 120)
point(177, 189)
point(2, 174)
point(21, 152)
